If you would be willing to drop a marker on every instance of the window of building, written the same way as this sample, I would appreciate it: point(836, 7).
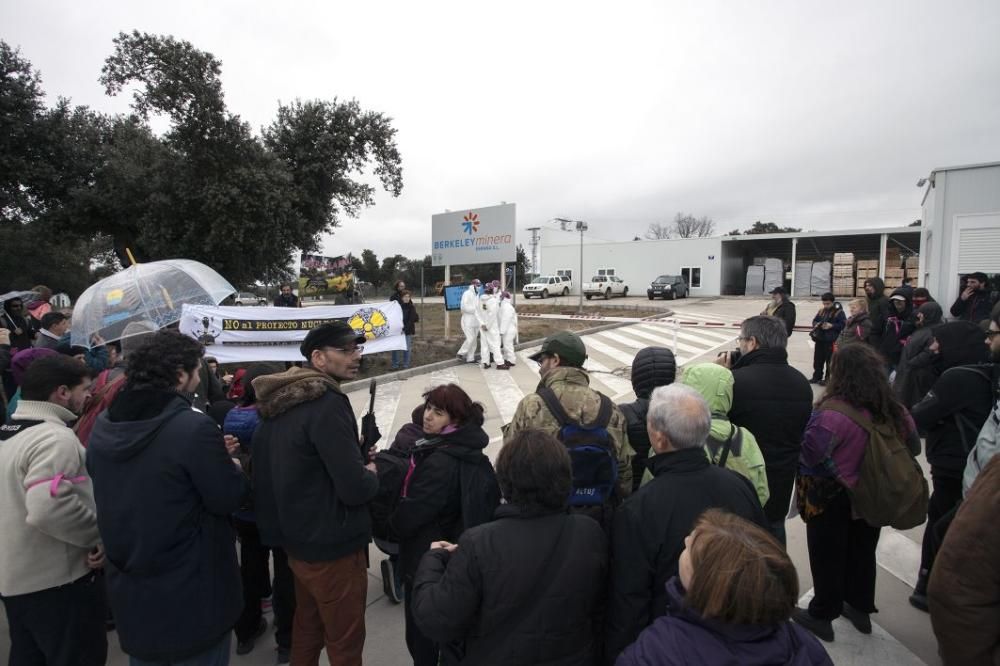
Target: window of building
point(692, 275)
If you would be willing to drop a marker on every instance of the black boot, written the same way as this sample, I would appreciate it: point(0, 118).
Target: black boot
point(919, 597)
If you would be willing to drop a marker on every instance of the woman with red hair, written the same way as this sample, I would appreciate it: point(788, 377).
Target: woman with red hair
point(450, 487)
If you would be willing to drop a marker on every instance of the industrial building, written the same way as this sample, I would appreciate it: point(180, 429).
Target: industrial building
point(960, 233)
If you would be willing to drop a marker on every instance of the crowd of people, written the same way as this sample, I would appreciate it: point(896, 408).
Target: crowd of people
point(651, 532)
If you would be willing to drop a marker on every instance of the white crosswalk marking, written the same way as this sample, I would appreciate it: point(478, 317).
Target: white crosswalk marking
point(689, 351)
point(899, 555)
point(440, 377)
point(505, 392)
point(700, 334)
point(619, 388)
point(595, 343)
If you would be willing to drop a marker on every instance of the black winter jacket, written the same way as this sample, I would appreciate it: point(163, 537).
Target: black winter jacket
point(649, 532)
point(786, 313)
point(311, 488)
point(165, 488)
point(915, 374)
point(975, 309)
point(525, 589)
point(958, 391)
point(878, 311)
point(410, 318)
point(431, 510)
point(834, 316)
point(652, 367)
point(952, 414)
point(773, 400)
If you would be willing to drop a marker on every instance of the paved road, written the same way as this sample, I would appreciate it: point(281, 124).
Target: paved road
point(902, 635)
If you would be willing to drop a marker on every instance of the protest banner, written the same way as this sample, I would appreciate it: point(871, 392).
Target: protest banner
point(238, 335)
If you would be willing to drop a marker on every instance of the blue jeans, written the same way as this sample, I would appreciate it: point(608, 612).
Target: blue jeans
point(396, 354)
point(213, 656)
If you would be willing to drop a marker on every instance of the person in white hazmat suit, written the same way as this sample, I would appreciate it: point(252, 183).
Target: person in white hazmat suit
point(489, 327)
point(508, 330)
point(470, 322)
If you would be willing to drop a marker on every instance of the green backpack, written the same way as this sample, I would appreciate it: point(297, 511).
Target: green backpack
point(891, 489)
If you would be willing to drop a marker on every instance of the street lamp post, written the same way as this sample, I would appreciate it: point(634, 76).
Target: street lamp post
point(581, 226)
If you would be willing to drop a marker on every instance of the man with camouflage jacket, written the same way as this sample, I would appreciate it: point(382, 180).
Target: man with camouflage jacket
point(561, 359)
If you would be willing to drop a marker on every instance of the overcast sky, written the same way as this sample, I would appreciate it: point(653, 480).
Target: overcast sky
point(810, 114)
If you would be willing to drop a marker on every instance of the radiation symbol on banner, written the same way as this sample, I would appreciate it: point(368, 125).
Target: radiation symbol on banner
point(370, 322)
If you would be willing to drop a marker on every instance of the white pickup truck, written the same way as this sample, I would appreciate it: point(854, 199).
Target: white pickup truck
point(544, 286)
point(606, 286)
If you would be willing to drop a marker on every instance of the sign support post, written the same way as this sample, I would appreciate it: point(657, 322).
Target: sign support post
point(447, 314)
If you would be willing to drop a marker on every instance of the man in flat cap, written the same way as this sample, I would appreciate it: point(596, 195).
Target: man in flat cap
point(312, 486)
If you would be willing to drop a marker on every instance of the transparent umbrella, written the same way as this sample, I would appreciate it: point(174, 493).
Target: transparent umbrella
point(150, 295)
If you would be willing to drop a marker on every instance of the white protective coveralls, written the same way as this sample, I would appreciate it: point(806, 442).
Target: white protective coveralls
point(508, 329)
point(470, 322)
point(489, 328)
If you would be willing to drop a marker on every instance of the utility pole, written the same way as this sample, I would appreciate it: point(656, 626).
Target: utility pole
point(580, 226)
point(534, 248)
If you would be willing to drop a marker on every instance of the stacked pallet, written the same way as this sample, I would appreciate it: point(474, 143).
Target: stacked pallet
point(867, 268)
point(912, 268)
point(894, 271)
point(843, 274)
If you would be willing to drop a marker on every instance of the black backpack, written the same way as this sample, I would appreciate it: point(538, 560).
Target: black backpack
point(479, 491)
point(391, 467)
point(592, 453)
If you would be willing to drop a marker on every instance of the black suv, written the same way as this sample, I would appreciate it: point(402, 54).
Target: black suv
point(667, 286)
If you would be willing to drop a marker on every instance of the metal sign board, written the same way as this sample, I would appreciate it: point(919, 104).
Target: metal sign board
point(474, 236)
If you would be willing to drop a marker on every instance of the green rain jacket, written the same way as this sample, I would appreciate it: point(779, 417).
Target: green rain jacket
point(715, 383)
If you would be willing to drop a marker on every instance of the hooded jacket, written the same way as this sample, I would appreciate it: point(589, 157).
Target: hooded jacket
point(649, 531)
point(507, 317)
point(165, 488)
point(715, 384)
point(773, 400)
point(431, 507)
point(915, 373)
point(651, 367)
point(311, 487)
point(955, 409)
point(522, 590)
point(879, 309)
point(572, 387)
point(898, 326)
point(470, 303)
point(683, 638)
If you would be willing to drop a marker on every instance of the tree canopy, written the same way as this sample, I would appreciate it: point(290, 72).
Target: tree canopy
point(765, 228)
point(684, 225)
point(208, 189)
